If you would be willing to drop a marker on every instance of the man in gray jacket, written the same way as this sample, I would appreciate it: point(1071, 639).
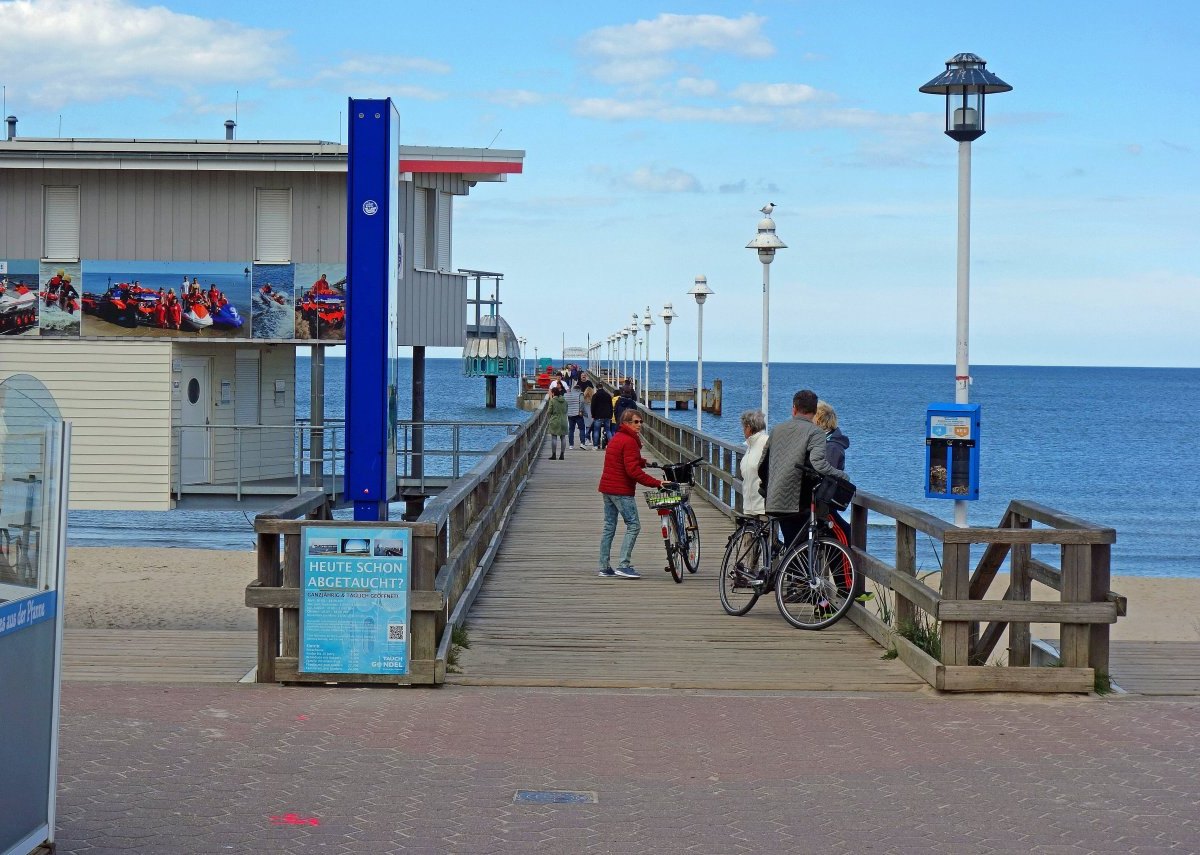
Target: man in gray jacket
point(793, 442)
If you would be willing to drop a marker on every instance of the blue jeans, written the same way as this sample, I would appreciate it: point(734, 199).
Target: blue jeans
point(598, 431)
point(627, 508)
point(575, 422)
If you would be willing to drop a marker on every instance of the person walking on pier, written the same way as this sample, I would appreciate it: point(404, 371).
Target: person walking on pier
point(602, 414)
point(794, 442)
point(574, 398)
point(624, 469)
point(588, 393)
point(558, 424)
point(754, 426)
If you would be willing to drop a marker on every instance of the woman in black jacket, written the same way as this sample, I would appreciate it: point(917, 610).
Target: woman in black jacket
point(602, 418)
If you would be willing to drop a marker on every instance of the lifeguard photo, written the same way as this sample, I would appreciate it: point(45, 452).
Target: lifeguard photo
point(58, 299)
point(19, 297)
point(155, 299)
point(272, 295)
point(321, 302)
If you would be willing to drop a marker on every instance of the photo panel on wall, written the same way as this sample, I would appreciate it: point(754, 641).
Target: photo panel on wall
point(174, 299)
point(321, 306)
point(60, 304)
point(273, 293)
point(20, 281)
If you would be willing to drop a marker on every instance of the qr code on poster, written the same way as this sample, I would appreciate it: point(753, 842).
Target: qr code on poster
point(397, 631)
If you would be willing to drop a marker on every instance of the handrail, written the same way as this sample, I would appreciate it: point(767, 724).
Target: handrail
point(453, 544)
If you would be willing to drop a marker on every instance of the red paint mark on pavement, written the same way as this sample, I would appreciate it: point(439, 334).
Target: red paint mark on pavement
point(301, 718)
point(294, 819)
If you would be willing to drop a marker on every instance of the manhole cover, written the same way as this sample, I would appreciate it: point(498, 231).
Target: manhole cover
point(554, 797)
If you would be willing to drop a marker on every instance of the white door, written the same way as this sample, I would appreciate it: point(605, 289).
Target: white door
point(195, 440)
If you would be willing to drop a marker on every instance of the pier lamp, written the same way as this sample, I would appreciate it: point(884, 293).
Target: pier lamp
point(701, 292)
point(647, 322)
point(667, 315)
point(766, 242)
point(521, 341)
point(624, 352)
point(965, 83)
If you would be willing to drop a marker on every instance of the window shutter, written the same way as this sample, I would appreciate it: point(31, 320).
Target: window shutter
point(273, 226)
point(443, 230)
point(61, 224)
point(419, 225)
point(247, 388)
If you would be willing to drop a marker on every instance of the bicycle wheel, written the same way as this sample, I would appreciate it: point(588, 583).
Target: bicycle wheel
point(691, 539)
point(674, 548)
point(744, 557)
point(815, 584)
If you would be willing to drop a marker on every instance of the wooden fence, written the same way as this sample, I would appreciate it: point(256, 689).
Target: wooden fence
point(453, 544)
point(966, 625)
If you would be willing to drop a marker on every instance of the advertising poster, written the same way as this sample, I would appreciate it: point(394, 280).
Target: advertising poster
point(20, 282)
point(273, 312)
point(59, 298)
point(166, 299)
point(354, 615)
point(321, 302)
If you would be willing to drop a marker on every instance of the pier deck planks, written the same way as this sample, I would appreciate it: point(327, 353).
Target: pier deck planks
point(543, 617)
point(158, 656)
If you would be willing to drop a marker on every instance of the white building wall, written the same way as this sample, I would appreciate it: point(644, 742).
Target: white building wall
point(118, 395)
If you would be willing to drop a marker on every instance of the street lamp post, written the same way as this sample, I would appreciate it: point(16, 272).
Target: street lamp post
point(521, 341)
point(667, 315)
point(766, 242)
point(624, 352)
point(964, 83)
point(701, 292)
point(647, 322)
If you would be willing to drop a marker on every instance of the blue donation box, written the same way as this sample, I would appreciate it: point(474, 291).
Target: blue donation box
point(354, 609)
point(952, 451)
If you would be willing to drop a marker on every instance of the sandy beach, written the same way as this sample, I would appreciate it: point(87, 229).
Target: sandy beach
point(132, 588)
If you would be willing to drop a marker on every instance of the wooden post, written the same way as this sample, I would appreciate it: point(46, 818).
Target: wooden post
point(268, 619)
point(290, 622)
point(1020, 590)
point(906, 563)
point(726, 486)
point(426, 561)
point(1101, 573)
point(956, 585)
point(1076, 588)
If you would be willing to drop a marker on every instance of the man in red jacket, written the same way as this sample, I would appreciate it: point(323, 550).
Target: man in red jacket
point(624, 469)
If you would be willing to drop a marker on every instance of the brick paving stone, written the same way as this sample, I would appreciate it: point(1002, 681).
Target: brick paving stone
point(204, 768)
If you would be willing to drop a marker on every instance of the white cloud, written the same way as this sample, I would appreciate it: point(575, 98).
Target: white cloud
point(516, 97)
point(778, 94)
point(619, 109)
point(639, 52)
point(696, 86)
point(62, 51)
point(664, 181)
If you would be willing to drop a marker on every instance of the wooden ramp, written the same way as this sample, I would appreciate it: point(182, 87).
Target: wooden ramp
point(158, 656)
point(544, 618)
point(1157, 667)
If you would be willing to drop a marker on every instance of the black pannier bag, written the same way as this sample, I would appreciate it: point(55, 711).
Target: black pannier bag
point(834, 492)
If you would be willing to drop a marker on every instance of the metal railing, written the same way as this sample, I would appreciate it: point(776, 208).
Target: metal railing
point(268, 458)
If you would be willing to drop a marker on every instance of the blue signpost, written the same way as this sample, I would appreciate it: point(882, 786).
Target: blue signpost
point(372, 270)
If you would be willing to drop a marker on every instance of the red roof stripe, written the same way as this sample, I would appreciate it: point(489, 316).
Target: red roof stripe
point(464, 166)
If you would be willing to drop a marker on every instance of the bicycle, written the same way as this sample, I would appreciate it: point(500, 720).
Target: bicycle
point(814, 577)
point(680, 529)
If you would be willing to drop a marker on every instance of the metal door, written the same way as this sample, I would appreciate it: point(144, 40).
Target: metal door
point(195, 438)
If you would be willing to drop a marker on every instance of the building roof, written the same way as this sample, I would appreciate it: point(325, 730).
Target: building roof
point(474, 164)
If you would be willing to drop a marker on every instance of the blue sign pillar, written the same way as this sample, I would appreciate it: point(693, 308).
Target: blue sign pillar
point(372, 270)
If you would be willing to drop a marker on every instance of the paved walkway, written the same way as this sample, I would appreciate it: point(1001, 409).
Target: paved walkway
point(243, 768)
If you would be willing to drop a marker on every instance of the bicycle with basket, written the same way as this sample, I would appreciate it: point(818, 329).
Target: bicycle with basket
point(680, 529)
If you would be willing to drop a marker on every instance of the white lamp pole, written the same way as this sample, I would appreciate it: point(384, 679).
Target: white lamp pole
point(647, 322)
point(668, 315)
point(521, 341)
point(766, 242)
point(965, 82)
point(701, 292)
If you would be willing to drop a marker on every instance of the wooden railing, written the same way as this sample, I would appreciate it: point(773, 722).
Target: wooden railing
point(453, 544)
point(958, 614)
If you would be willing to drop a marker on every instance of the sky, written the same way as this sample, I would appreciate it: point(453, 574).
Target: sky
point(654, 134)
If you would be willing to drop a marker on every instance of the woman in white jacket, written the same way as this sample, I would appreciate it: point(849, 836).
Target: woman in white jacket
point(754, 426)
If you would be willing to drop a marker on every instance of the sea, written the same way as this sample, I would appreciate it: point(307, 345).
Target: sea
point(1114, 446)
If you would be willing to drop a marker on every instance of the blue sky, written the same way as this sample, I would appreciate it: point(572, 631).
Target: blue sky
point(654, 134)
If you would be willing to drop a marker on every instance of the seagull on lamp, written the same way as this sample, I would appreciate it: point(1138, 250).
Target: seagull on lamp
point(768, 208)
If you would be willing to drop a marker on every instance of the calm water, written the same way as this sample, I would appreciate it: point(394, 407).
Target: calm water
point(1114, 446)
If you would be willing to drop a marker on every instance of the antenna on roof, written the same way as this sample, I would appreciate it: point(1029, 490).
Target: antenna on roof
point(339, 127)
point(60, 125)
point(496, 137)
point(237, 97)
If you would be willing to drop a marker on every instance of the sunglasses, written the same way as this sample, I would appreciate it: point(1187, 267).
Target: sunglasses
point(635, 421)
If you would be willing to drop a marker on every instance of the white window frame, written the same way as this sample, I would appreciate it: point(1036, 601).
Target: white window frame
point(272, 225)
point(60, 223)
